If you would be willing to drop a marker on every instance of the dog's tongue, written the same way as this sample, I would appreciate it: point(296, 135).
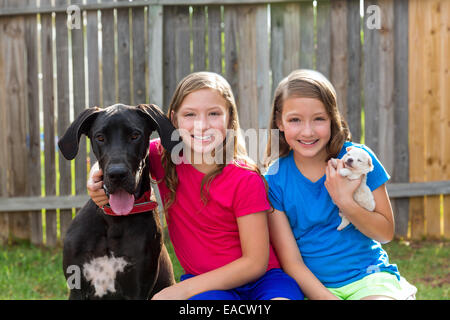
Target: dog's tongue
point(121, 202)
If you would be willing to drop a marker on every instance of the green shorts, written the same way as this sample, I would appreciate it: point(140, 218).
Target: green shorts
point(376, 284)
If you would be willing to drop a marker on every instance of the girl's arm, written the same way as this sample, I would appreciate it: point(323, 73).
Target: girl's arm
point(291, 260)
point(377, 224)
point(254, 238)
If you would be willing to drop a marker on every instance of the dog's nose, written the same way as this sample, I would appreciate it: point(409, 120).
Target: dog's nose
point(349, 162)
point(117, 172)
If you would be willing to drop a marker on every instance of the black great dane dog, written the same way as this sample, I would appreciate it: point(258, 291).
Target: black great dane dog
point(118, 249)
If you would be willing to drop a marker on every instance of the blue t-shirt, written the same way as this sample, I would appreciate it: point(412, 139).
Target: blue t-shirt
point(335, 257)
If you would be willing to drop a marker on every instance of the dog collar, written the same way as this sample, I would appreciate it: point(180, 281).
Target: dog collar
point(143, 204)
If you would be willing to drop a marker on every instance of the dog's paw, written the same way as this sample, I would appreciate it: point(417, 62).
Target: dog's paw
point(345, 172)
point(344, 222)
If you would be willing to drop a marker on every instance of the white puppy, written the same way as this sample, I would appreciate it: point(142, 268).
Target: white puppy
point(357, 163)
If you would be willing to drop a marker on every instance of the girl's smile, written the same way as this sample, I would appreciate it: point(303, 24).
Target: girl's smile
point(306, 126)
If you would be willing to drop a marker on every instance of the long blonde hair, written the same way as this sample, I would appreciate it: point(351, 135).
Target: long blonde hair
point(307, 84)
point(233, 147)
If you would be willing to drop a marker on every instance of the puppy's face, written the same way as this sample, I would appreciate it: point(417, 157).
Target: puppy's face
point(357, 160)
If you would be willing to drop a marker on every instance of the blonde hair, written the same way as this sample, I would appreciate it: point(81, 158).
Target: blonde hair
point(307, 84)
point(232, 149)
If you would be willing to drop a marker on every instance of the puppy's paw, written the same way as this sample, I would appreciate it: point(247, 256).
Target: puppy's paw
point(345, 172)
point(344, 222)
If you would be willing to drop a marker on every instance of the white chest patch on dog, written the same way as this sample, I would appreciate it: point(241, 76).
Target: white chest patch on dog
point(101, 272)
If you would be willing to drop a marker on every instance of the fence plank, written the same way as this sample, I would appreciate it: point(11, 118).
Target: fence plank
point(92, 56)
point(248, 105)
point(401, 128)
point(276, 45)
point(155, 56)
point(20, 225)
point(123, 54)
point(285, 41)
point(263, 71)
point(13, 90)
point(63, 103)
point(433, 89)
point(15, 204)
point(79, 104)
point(93, 65)
point(34, 151)
point(169, 55)
point(323, 52)
point(49, 121)
point(214, 39)
point(139, 59)
point(199, 38)
point(445, 103)
point(108, 58)
point(339, 53)
point(416, 111)
point(307, 35)
point(231, 52)
point(371, 83)
point(353, 98)
point(4, 218)
point(385, 123)
point(401, 190)
point(4, 165)
point(176, 61)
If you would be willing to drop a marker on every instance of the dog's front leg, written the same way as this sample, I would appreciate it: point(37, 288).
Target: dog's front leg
point(345, 172)
point(344, 222)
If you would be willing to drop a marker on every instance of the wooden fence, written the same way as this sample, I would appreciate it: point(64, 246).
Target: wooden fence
point(392, 86)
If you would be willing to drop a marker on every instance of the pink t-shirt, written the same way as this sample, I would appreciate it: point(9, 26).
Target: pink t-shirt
point(207, 237)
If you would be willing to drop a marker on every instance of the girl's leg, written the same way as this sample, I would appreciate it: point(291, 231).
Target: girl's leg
point(377, 298)
point(216, 295)
point(275, 285)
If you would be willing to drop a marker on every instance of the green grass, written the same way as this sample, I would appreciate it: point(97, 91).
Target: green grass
point(424, 264)
point(30, 272)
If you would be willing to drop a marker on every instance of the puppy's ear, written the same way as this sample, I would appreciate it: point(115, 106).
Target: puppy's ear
point(68, 143)
point(348, 149)
point(371, 167)
point(162, 124)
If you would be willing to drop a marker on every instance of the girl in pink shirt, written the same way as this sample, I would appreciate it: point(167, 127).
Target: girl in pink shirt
point(215, 200)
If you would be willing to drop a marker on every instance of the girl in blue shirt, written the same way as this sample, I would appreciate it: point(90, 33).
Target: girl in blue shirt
point(307, 193)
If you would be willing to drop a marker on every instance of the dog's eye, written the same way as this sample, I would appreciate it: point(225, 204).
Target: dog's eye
point(135, 135)
point(359, 160)
point(100, 138)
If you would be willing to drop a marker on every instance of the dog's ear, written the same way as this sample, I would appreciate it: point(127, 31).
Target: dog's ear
point(370, 164)
point(68, 143)
point(348, 149)
point(162, 124)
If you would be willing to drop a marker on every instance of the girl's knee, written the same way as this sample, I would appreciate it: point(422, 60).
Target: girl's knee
point(377, 298)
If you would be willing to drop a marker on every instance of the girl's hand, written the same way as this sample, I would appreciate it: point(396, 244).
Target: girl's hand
point(94, 186)
point(175, 292)
point(340, 188)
